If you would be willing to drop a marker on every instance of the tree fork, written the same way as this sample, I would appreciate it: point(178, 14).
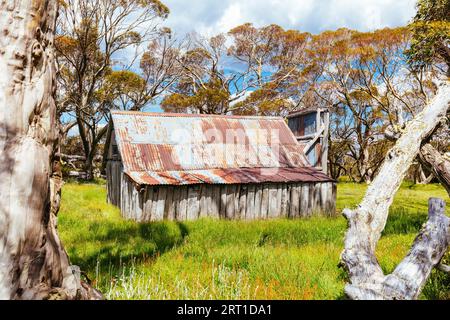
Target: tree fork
point(33, 262)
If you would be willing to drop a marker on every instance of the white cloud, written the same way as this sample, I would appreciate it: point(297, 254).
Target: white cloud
point(212, 16)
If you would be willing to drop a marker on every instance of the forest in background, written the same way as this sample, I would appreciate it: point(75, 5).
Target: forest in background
point(367, 80)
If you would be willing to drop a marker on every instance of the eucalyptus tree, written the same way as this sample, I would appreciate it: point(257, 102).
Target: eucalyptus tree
point(33, 262)
point(93, 37)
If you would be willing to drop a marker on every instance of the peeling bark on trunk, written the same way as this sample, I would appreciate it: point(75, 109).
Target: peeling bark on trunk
point(368, 220)
point(33, 262)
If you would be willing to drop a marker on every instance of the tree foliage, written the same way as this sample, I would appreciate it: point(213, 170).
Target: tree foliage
point(92, 35)
point(431, 34)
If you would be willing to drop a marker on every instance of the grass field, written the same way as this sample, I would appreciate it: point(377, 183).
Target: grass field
point(211, 259)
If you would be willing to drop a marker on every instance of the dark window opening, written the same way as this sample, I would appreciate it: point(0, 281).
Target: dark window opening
point(115, 150)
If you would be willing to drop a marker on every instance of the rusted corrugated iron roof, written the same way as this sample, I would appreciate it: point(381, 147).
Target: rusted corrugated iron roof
point(163, 148)
point(228, 176)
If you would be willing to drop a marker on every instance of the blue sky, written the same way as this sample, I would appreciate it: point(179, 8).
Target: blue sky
point(209, 17)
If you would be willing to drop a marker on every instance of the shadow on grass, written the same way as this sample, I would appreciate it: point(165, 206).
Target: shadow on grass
point(402, 221)
point(111, 245)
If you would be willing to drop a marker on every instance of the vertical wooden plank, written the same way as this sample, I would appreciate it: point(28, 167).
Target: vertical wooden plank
point(242, 201)
point(230, 211)
point(129, 200)
point(324, 198)
point(126, 196)
point(110, 173)
point(317, 198)
point(273, 201)
point(111, 186)
point(193, 206)
point(202, 200)
point(257, 203)
point(250, 213)
point(332, 199)
point(223, 201)
point(154, 205)
point(183, 203)
point(207, 211)
point(294, 208)
point(122, 206)
point(310, 199)
point(141, 195)
point(148, 197)
point(115, 180)
point(136, 203)
point(169, 211)
point(284, 201)
point(119, 181)
point(215, 201)
point(237, 193)
point(304, 199)
point(265, 201)
point(176, 202)
point(160, 203)
point(120, 174)
point(205, 200)
point(279, 187)
point(115, 184)
point(288, 191)
point(108, 182)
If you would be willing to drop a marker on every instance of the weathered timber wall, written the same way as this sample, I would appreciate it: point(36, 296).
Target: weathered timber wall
point(114, 182)
point(228, 201)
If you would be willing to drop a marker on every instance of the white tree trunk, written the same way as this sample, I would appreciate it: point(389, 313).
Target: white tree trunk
point(33, 263)
point(368, 220)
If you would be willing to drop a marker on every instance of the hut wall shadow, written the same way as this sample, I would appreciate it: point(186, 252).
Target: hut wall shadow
point(109, 246)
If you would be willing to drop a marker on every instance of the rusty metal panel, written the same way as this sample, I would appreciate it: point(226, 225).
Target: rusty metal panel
point(229, 176)
point(162, 148)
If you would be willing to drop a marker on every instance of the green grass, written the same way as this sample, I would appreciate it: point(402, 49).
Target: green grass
point(217, 259)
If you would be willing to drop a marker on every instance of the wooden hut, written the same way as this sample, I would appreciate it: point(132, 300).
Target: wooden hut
point(182, 167)
point(311, 129)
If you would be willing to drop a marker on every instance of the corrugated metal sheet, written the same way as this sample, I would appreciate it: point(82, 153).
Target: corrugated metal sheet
point(228, 176)
point(162, 148)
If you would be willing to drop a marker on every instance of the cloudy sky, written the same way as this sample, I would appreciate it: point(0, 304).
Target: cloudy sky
point(210, 17)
